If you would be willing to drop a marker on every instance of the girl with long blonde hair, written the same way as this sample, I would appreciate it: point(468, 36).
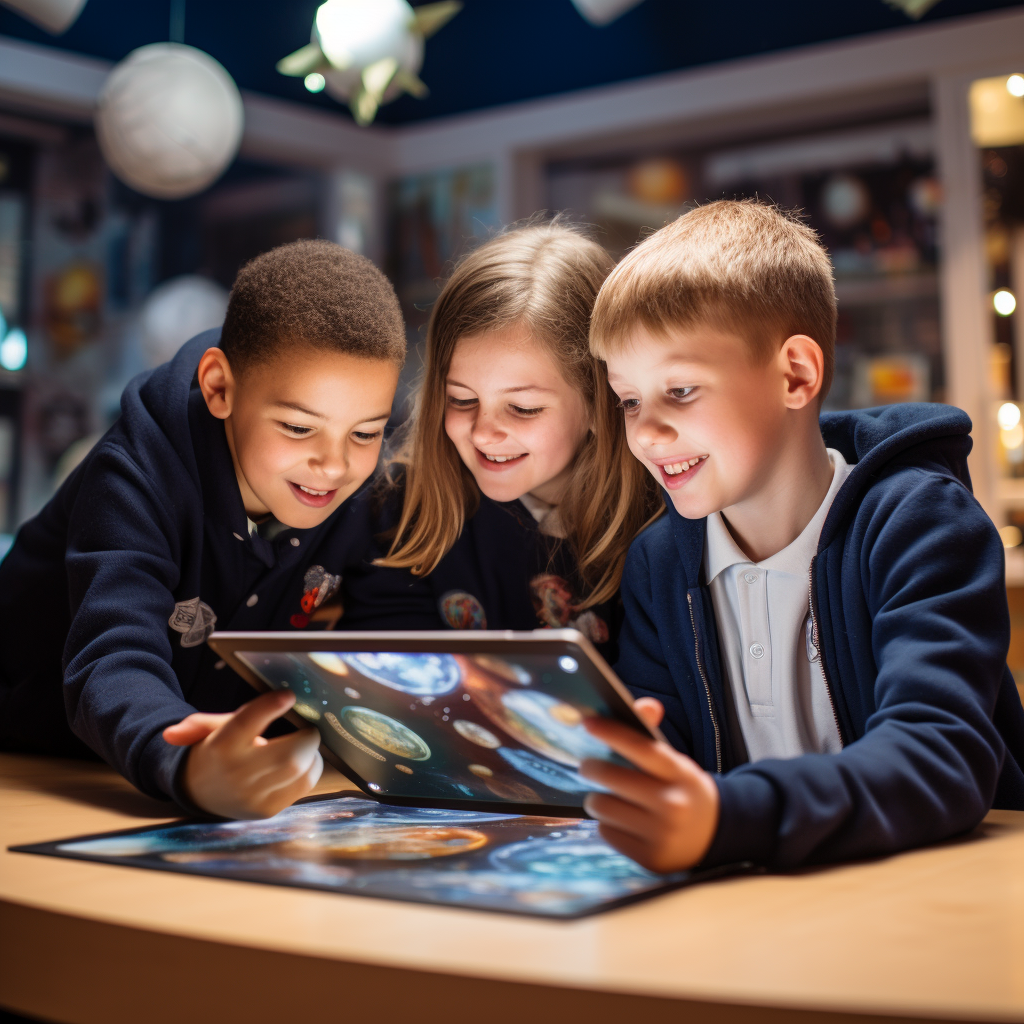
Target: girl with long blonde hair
point(512, 498)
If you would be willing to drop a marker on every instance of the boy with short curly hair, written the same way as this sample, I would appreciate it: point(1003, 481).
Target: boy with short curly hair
point(217, 497)
point(821, 616)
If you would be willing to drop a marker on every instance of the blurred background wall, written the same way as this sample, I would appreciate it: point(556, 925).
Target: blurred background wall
point(902, 140)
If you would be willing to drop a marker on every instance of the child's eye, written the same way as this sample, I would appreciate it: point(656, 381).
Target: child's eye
point(520, 411)
point(461, 403)
point(682, 392)
point(629, 404)
point(297, 431)
point(363, 437)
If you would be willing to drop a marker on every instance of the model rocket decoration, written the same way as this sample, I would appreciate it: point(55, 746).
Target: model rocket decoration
point(368, 52)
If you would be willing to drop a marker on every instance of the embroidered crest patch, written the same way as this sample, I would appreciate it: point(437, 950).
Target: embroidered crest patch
point(317, 586)
point(462, 611)
point(553, 602)
point(194, 620)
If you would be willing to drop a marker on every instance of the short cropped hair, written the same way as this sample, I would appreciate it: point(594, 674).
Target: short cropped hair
point(737, 265)
point(316, 293)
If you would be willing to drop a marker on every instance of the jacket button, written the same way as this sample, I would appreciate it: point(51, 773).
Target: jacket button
point(756, 651)
point(750, 577)
point(295, 542)
point(237, 536)
point(252, 600)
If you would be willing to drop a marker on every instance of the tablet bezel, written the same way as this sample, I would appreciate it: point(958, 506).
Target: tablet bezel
point(556, 642)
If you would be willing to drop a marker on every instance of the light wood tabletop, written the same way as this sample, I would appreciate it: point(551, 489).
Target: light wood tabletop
point(935, 934)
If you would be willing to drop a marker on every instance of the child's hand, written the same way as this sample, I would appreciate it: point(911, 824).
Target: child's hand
point(233, 771)
point(664, 816)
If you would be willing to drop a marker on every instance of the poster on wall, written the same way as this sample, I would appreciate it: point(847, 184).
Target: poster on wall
point(93, 261)
point(433, 219)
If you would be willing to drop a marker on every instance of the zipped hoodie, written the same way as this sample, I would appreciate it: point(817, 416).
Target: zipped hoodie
point(109, 594)
point(910, 618)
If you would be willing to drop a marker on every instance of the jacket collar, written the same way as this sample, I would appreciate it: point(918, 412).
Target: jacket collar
point(868, 439)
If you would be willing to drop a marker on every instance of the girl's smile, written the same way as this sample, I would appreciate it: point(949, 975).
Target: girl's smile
point(514, 420)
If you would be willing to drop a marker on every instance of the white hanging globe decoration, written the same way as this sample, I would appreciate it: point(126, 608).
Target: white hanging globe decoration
point(169, 120)
point(178, 310)
point(56, 16)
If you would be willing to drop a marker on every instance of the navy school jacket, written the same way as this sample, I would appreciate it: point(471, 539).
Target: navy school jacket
point(910, 614)
point(108, 595)
point(502, 573)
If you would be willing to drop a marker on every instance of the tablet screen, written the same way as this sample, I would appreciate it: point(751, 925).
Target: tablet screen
point(449, 727)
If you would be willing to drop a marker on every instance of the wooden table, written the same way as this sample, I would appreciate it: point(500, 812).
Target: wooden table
point(936, 934)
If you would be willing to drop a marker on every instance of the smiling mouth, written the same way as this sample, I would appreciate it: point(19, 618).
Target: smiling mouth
point(676, 474)
point(675, 468)
point(495, 462)
point(312, 496)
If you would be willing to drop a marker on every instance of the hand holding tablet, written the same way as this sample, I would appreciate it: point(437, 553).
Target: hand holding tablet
point(663, 815)
point(481, 720)
point(234, 772)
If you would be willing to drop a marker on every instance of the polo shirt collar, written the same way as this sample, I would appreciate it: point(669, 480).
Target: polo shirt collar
point(722, 551)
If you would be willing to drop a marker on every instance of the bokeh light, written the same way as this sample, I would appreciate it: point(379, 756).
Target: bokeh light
point(1015, 85)
point(1008, 415)
point(1012, 438)
point(315, 82)
point(1011, 536)
point(14, 350)
point(1004, 302)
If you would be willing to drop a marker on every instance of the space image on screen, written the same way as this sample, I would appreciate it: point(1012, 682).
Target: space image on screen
point(545, 866)
point(449, 727)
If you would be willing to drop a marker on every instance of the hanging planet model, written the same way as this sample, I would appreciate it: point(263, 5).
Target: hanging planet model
point(169, 120)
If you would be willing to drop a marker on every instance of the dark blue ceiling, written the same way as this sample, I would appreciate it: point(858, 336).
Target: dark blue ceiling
point(494, 51)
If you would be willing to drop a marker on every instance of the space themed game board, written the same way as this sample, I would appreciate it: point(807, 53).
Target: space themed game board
point(483, 721)
point(541, 866)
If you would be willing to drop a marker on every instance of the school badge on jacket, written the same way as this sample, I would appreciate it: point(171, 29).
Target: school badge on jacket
point(555, 608)
point(318, 585)
point(461, 610)
point(194, 619)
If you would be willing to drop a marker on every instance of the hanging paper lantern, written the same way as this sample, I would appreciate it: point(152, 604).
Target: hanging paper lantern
point(602, 12)
point(169, 120)
point(56, 16)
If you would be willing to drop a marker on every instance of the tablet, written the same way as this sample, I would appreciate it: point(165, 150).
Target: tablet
point(482, 720)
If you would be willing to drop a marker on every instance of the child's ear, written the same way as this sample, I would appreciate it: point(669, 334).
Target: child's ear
point(803, 368)
point(217, 383)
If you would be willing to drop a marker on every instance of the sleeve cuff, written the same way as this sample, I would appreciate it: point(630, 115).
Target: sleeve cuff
point(748, 821)
point(166, 771)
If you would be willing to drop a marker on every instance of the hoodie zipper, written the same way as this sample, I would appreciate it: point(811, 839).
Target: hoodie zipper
point(817, 647)
point(707, 689)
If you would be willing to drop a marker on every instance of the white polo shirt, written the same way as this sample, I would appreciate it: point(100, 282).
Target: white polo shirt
point(764, 626)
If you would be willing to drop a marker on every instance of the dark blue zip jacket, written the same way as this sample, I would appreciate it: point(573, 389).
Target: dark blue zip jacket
point(501, 573)
point(108, 595)
point(909, 605)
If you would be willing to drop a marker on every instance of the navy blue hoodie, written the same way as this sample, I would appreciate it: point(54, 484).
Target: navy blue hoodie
point(501, 573)
point(908, 602)
point(108, 595)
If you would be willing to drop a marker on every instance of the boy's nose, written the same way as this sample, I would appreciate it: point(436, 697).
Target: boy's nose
point(651, 430)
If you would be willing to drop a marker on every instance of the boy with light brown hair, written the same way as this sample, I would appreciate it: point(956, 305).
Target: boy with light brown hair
point(819, 623)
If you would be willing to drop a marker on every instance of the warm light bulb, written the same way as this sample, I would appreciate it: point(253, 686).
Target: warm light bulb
point(1011, 536)
point(14, 350)
point(1012, 438)
point(1004, 302)
point(1015, 85)
point(1008, 415)
point(315, 82)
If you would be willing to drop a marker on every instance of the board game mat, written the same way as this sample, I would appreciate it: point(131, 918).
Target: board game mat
point(541, 866)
